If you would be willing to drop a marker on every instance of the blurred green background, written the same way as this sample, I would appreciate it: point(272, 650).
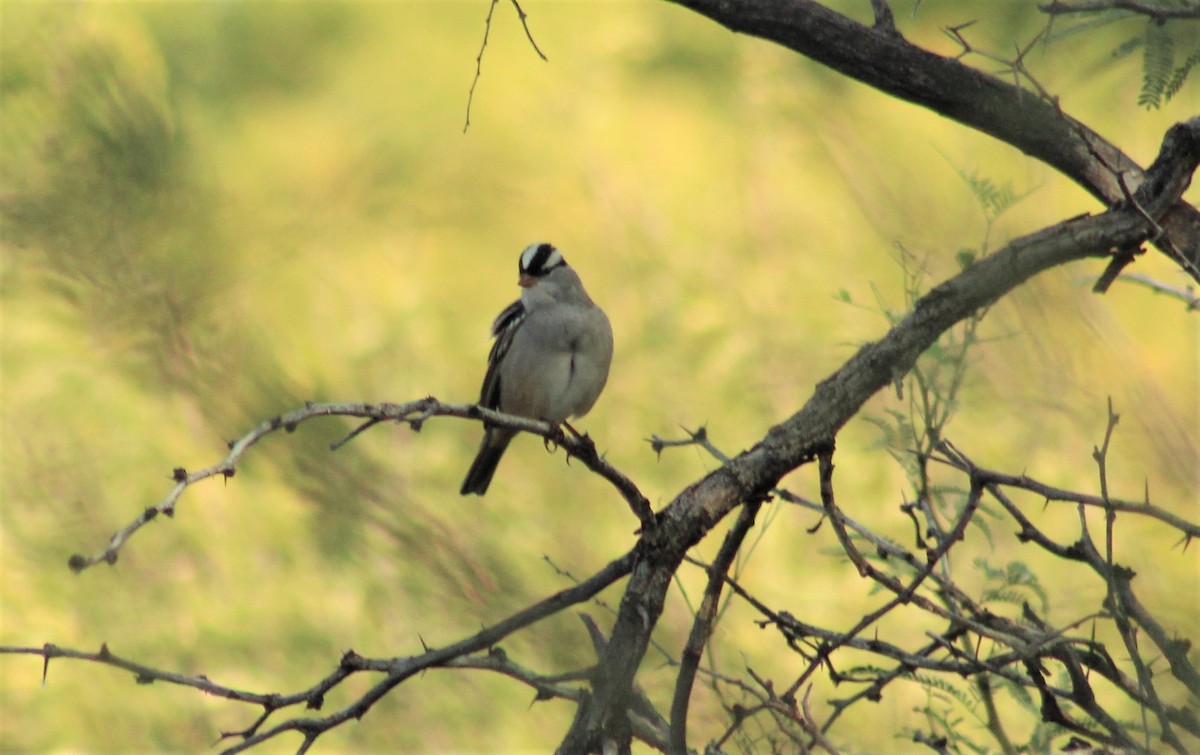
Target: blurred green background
point(215, 212)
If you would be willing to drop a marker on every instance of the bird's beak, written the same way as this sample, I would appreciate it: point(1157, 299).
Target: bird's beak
point(525, 281)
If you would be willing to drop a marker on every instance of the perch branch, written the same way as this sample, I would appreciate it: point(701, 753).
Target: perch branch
point(413, 413)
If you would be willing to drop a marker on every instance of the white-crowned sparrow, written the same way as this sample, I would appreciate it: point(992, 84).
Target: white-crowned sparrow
point(550, 359)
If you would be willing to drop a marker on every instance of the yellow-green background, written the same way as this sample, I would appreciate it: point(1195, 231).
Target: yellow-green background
point(215, 212)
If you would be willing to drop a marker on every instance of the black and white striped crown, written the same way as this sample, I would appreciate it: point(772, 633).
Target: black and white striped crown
point(539, 259)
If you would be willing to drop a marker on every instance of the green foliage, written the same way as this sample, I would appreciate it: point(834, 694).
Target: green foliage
point(1170, 49)
point(1014, 583)
point(933, 386)
point(1164, 73)
point(1158, 59)
point(1180, 74)
point(1163, 42)
point(993, 199)
point(945, 702)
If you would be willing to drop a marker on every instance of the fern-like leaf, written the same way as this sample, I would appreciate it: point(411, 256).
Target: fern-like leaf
point(1180, 74)
point(1158, 59)
point(1126, 48)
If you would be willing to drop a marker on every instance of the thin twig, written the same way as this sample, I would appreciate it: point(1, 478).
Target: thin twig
point(487, 30)
point(1185, 295)
point(702, 625)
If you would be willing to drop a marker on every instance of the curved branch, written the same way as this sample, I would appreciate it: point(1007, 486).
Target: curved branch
point(413, 413)
point(1033, 124)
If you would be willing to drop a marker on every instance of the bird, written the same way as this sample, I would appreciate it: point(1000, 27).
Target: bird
point(550, 359)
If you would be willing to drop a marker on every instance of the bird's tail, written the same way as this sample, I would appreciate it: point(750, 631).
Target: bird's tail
point(479, 476)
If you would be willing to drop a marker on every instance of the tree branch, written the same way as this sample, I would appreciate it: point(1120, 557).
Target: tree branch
point(752, 474)
point(1155, 11)
point(1036, 126)
point(702, 626)
point(414, 414)
point(396, 670)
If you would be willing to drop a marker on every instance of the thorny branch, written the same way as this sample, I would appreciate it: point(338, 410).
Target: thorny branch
point(1019, 646)
point(463, 653)
point(413, 414)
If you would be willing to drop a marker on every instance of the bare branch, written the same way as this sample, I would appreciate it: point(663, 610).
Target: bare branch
point(528, 34)
point(1185, 295)
point(413, 413)
point(1035, 125)
point(1157, 11)
point(953, 457)
point(702, 625)
point(396, 670)
point(487, 30)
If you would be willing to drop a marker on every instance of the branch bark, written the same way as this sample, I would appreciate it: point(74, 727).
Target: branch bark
point(1033, 124)
point(750, 476)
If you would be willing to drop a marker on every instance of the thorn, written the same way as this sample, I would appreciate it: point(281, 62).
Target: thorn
point(813, 529)
point(656, 445)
